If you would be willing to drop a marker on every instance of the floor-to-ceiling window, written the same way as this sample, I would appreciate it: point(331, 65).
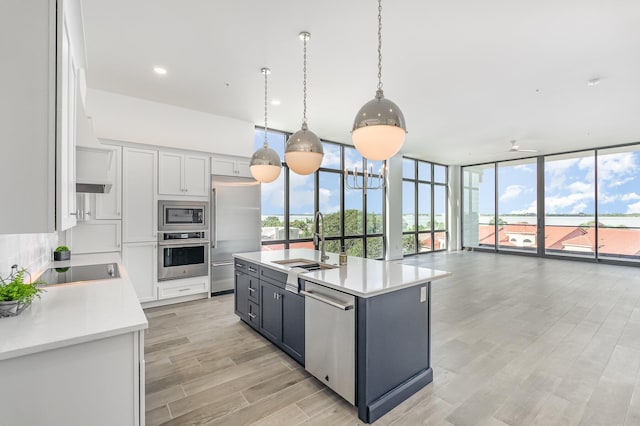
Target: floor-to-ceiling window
point(424, 206)
point(618, 232)
point(588, 201)
point(517, 205)
point(353, 218)
point(479, 206)
point(569, 204)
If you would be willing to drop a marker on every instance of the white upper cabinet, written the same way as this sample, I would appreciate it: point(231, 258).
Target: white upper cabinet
point(37, 120)
point(139, 200)
point(108, 206)
point(230, 166)
point(183, 174)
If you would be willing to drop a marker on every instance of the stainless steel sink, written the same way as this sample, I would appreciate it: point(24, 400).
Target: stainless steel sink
point(308, 264)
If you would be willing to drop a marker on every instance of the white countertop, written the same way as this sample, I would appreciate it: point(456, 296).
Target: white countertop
point(74, 313)
point(359, 277)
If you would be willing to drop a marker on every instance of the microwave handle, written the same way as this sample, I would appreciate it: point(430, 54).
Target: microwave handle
point(213, 206)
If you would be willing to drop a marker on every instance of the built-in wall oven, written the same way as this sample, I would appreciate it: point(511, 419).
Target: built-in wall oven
point(175, 216)
point(183, 254)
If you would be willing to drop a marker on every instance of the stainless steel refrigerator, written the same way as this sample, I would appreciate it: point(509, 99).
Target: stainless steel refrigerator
point(235, 226)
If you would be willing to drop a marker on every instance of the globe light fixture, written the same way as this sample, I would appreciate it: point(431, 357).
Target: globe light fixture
point(265, 164)
point(379, 128)
point(303, 153)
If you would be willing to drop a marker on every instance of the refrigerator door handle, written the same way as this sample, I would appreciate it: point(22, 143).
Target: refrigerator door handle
point(214, 206)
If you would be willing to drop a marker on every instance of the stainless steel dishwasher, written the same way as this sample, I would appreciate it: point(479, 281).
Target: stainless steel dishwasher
point(330, 338)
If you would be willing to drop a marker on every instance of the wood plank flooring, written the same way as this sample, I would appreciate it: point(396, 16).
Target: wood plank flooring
point(516, 341)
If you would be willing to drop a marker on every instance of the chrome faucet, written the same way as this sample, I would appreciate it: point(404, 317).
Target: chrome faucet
point(316, 222)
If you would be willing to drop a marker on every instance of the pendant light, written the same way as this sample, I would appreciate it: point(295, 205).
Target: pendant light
point(379, 128)
point(265, 164)
point(304, 152)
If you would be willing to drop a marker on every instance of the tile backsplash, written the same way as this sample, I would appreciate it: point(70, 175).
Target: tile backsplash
point(31, 251)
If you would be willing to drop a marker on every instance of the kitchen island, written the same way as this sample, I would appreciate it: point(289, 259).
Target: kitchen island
point(76, 356)
point(363, 328)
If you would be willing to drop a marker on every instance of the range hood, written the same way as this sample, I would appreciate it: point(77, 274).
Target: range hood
point(93, 167)
point(93, 188)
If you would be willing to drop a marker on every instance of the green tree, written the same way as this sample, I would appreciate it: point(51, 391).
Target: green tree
point(271, 221)
point(305, 227)
point(501, 221)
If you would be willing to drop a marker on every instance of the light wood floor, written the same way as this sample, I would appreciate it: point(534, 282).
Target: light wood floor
point(516, 341)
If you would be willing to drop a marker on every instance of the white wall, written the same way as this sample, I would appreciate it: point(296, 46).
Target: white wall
point(31, 251)
point(394, 208)
point(454, 208)
point(129, 119)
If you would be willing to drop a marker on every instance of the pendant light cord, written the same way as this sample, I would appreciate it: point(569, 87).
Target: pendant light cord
point(304, 80)
point(265, 72)
point(379, 44)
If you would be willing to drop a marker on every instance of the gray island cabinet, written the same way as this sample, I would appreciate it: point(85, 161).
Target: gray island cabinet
point(367, 324)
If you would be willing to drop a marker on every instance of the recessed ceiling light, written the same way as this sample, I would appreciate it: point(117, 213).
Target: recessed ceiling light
point(160, 70)
point(593, 82)
point(275, 102)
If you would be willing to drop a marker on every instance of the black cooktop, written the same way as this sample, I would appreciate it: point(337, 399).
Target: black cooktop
point(71, 274)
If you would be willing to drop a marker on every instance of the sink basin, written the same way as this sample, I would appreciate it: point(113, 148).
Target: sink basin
point(308, 264)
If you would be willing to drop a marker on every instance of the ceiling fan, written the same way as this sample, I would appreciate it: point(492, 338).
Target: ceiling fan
point(516, 148)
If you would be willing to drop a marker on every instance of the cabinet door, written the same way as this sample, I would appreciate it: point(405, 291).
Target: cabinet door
point(139, 187)
point(66, 186)
point(271, 311)
point(170, 174)
point(223, 166)
point(242, 167)
point(108, 206)
point(196, 175)
point(293, 325)
point(141, 263)
point(96, 236)
point(242, 295)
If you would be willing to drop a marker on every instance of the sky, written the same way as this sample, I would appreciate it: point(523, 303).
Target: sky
point(569, 184)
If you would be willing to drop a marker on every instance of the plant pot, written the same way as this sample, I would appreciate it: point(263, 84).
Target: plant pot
point(12, 308)
point(61, 255)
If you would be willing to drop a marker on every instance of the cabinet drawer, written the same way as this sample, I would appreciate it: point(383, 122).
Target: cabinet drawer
point(247, 267)
point(254, 290)
point(177, 288)
point(275, 277)
point(254, 315)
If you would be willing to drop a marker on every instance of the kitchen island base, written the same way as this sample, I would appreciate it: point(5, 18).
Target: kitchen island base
point(393, 350)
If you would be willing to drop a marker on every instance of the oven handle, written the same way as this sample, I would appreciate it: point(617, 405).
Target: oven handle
point(186, 243)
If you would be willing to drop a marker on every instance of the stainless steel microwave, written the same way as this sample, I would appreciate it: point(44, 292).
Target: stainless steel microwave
point(182, 215)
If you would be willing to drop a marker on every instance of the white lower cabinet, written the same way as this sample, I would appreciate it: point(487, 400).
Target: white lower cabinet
point(141, 260)
point(183, 287)
point(100, 382)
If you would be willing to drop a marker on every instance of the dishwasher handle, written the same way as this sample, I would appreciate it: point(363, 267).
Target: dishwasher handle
point(326, 300)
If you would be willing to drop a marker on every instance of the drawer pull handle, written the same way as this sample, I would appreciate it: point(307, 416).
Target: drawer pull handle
point(252, 269)
point(253, 316)
point(252, 289)
point(185, 289)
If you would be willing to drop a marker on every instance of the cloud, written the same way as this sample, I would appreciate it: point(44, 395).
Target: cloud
point(511, 192)
point(331, 158)
point(273, 194)
point(621, 181)
point(524, 168)
point(633, 208)
point(580, 187)
point(630, 197)
point(574, 201)
point(613, 169)
point(533, 208)
point(324, 197)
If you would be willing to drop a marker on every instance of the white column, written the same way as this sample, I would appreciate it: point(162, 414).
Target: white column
point(393, 201)
point(454, 208)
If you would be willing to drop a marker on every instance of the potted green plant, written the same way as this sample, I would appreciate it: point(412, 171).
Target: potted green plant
point(61, 253)
point(15, 294)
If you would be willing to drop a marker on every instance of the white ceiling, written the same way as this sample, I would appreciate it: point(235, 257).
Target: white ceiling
point(468, 75)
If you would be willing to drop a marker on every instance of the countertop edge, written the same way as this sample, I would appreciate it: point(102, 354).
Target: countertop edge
point(305, 276)
point(58, 344)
